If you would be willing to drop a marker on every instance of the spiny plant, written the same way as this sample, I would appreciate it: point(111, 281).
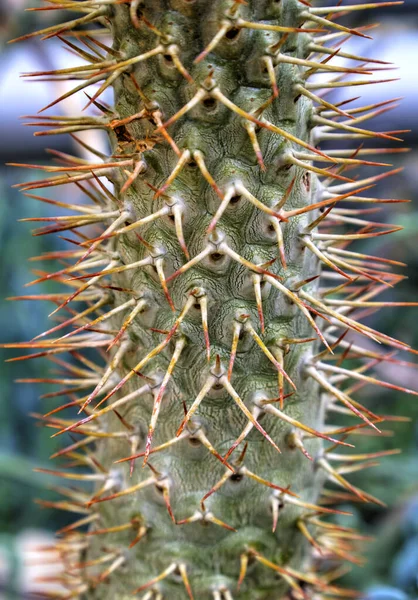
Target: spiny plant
point(220, 305)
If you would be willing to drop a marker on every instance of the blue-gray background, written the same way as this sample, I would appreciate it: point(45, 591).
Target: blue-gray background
point(392, 569)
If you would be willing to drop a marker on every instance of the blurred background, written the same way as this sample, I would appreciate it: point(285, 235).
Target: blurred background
point(391, 572)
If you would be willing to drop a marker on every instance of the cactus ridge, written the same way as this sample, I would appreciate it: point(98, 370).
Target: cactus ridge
point(220, 297)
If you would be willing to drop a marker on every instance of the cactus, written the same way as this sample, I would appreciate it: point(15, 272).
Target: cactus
point(214, 291)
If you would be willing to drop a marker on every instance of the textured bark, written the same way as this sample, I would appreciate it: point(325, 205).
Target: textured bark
point(236, 65)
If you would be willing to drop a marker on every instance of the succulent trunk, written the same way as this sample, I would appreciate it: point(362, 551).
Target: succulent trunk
point(204, 415)
point(212, 138)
